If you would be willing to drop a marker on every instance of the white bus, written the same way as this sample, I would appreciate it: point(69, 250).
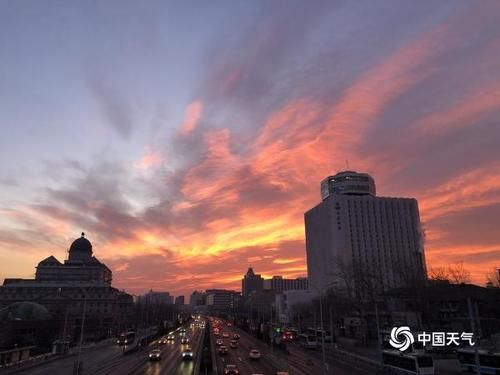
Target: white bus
point(319, 334)
point(489, 362)
point(410, 363)
point(307, 341)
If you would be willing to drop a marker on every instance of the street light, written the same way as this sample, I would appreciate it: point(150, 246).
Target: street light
point(78, 369)
point(322, 326)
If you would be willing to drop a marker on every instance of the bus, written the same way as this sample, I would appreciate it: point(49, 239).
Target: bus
point(126, 338)
point(489, 362)
point(307, 341)
point(411, 363)
point(319, 334)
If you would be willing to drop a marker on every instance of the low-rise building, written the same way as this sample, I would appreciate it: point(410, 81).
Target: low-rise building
point(81, 285)
point(222, 300)
point(279, 284)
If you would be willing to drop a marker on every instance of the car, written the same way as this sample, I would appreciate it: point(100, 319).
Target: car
point(236, 336)
point(185, 341)
point(155, 355)
point(229, 325)
point(225, 335)
point(231, 370)
point(254, 354)
point(223, 349)
point(233, 344)
point(282, 373)
point(162, 341)
point(219, 342)
point(187, 353)
point(171, 338)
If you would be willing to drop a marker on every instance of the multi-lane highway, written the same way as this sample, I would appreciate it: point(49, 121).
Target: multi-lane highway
point(110, 360)
point(171, 361)
point(240, 356)
point(298, 361)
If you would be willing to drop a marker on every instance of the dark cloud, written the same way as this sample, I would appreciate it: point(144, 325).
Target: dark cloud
point(468, 227)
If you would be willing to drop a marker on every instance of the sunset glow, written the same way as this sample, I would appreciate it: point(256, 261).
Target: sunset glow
point(185, 168)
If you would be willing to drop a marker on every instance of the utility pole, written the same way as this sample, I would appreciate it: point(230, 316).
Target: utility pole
point(478, 324)
point(473, 327)
point(272, 330)
point(322, 332)
point(82, 328)
point(331, 326)
point(378, 331)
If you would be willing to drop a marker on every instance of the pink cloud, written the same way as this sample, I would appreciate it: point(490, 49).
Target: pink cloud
point(192, 116)
point(149, 160)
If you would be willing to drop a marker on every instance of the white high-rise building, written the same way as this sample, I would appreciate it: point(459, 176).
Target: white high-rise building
point(362, 243)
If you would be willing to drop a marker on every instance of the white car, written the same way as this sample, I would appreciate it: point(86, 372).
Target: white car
point(254, 354)
point(219, 342)
point(187, 353)
point(155, 355)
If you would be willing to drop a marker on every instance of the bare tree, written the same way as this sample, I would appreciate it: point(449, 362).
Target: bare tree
point(459, 274)
point(493, 278)
point(455, 273)
point(439, 274)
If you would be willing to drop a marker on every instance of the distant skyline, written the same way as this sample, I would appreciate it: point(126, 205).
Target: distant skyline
point(187, 139)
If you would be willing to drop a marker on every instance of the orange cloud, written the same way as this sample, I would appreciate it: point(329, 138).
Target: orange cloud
point(192, 116)
point(287, 260)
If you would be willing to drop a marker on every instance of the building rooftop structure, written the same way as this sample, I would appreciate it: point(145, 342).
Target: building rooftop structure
point(349, 183)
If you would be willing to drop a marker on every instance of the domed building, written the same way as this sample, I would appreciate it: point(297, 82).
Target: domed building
point(80, 285)
point(24, 311)
point(80, 266)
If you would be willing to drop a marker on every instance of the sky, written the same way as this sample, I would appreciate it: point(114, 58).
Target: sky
point(188, 138)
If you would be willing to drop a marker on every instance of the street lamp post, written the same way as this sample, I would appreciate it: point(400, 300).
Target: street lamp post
point(323, 333)
point(78, 363)
point(379, 341)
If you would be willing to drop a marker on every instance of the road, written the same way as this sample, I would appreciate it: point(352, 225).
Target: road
point(171, 361)
point(298, 362)
point(110, 360)
point(239, 356)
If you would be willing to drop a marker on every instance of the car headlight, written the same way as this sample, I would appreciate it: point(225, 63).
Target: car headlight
point(126, 341)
